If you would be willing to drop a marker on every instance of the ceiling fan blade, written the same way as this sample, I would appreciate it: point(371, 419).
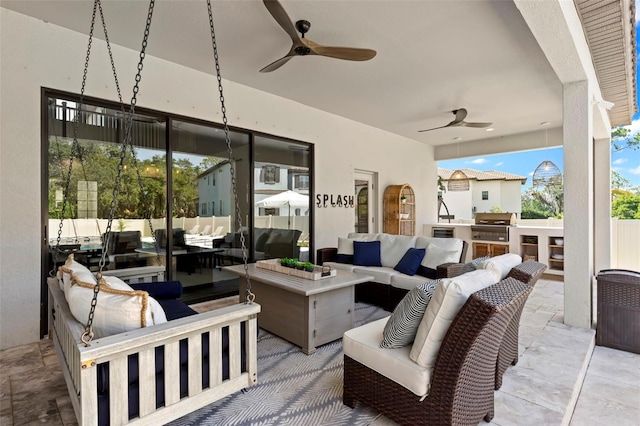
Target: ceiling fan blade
point(477, 125)
point(277, 64)
point(435, 128)
point(282, 18)
point(347, 53)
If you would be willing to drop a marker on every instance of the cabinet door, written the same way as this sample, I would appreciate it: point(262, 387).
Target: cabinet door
point(498, 249)
point(481, 249)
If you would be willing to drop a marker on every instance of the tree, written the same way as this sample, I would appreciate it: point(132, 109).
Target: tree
point(626, 206)
point(543, 202)
point(622, 138)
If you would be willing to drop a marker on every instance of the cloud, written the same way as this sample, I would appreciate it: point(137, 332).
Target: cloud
point(499, 164)
point(635, 171)
point(530, 173)
point(616, 169)
point(477, 161)
point(620, 161)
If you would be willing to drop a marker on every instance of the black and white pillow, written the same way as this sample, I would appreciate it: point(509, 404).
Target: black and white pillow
point(403, 324)
point(473, 265)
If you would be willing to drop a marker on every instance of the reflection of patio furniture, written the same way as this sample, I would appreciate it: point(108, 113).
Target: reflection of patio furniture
point(185, 259)
point(269, 243)
point(121, 250)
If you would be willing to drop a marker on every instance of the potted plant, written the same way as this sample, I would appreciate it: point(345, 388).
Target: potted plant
point(291, 263)
point(284, 261)
point(403, 199)
point(309, 267)
point(299, 265)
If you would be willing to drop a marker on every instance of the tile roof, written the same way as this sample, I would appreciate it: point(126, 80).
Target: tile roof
point(482, 175)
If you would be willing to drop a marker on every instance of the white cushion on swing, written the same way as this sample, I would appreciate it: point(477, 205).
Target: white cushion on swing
point(119, 308)
point(71, 268)
point(155, 313)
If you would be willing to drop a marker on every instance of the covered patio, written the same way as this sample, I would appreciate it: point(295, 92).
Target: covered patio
point(561, 378)
point(513, 63)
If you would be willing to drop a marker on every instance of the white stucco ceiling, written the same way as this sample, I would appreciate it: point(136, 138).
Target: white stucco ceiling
point(433, 57)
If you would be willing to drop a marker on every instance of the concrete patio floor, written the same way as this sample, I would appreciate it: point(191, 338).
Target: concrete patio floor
point(562, 378)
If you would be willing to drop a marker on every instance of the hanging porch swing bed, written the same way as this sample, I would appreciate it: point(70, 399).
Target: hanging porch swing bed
point(143, 356)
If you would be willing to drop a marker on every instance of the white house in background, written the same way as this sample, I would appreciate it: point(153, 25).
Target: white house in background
point(490, 190)
point(214, 191)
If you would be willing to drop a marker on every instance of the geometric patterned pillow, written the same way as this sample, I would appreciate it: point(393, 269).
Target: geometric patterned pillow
point(402, 326)
point(473, 265)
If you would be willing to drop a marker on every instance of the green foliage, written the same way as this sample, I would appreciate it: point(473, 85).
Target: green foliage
point(99, 162)
point(496, 209)
point(622, 138)
point(626, 206)
point(543, 202)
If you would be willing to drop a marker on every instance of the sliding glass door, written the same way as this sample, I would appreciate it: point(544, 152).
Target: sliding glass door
point(177, 208)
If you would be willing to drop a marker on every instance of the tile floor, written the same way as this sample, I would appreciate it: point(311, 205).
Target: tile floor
point(562, 378)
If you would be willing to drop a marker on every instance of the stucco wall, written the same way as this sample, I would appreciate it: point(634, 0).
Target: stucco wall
point(36, 54)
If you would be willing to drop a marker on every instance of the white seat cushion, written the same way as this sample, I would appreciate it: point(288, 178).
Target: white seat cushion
point(437, 255)
point(117, 309)
point(363, 345)
point(444, 243)
point(501, 265)
point(341, 266)
point(407, 282)
point(393, 247)
point(155, 314)
point(380, 274)
point(72, 268)
point(449, 297)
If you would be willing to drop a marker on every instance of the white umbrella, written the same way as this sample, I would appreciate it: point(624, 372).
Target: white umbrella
point(286, 198)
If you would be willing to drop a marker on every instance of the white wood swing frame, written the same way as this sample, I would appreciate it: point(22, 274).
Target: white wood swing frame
point(79, 363)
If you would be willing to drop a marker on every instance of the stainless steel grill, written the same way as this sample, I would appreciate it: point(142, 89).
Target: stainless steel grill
point(492, 226)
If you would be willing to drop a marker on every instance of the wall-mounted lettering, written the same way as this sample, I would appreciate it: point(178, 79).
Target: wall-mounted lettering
point(331, 200)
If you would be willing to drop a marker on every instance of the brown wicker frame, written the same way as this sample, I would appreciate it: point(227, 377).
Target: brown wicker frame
point(527, 272)
point(618, 312)
point(462, 385)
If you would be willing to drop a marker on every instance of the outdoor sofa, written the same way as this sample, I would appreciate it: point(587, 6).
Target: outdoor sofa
point(398, 263)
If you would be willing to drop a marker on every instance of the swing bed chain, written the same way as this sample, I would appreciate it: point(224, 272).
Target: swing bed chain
point(249, 296)
point(88, 334)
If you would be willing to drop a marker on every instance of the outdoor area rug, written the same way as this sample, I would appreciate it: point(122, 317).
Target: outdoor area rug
point(293, 388)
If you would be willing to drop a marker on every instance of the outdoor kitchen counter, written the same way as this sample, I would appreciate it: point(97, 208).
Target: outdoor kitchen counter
point(545, 236)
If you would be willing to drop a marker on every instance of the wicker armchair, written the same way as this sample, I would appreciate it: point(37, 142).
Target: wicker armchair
point(463, 380)
point(527, 272)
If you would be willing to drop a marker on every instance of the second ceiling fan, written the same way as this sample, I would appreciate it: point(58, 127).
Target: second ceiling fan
point(303, 46)
point(460, 114)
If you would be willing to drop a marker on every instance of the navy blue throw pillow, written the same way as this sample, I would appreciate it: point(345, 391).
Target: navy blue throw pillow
point(411, 261)
point(366, 253)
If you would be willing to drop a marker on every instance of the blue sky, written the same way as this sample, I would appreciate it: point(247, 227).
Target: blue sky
point(626, 162)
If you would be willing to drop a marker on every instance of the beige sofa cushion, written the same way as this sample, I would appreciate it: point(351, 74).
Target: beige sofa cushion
point(437, 255)
point(363, 345)
point(393, 247)
point(449, 297)
point(501, 265)
point(407, 282)
point(380, 274)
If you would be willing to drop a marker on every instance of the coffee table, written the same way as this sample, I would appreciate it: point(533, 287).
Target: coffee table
point(305, 312)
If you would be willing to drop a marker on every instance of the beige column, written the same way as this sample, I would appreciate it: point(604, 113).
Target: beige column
point(578, 203)
point(602, 203)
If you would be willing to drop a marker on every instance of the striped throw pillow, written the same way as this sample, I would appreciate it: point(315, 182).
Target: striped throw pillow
point(473, 265)
point(403, 324)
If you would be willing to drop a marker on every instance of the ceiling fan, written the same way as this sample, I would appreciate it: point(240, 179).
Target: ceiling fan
point(303, 46)
point(459, 121)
